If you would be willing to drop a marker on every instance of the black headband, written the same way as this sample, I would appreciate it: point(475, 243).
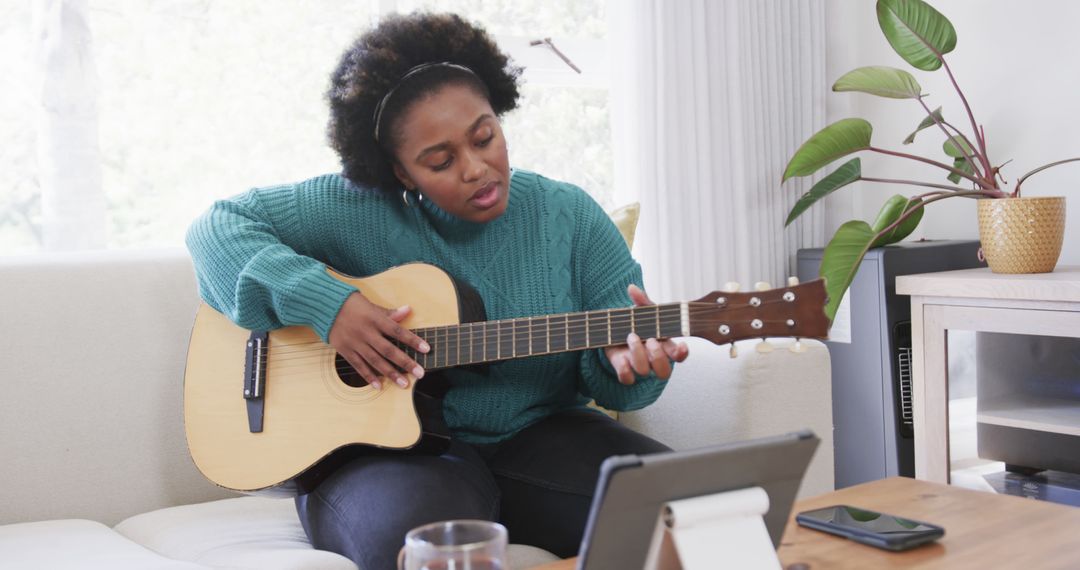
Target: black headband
point(411, 73)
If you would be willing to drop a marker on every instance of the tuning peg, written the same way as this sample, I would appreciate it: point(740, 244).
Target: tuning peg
point(797, 347)
point(762, 286)
point(763, 347)
point(792, 281)
point(731, 287)
point(733, 352)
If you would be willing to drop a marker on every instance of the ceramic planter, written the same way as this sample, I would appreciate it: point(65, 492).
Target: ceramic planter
point(1022, 235)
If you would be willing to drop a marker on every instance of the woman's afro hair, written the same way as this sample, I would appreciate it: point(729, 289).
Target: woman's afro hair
point(375, 64)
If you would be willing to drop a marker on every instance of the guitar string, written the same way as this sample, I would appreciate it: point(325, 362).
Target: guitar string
point(537, 328)
point(295, 361)
point(505, 326)
point(453, 342)
point(347, 369)
point(491, 346)
point(618, 317)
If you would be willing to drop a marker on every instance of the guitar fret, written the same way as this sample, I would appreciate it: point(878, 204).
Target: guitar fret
point(609, 326)
point(521, 337)
point(577, 331)
point(457, 349)
point(440, 350)
point(658, 335)
point(596, 322)
point(475, 348)
point(565, 333)
point(433, 344)
point(533, 340)
point(674, 321)
point(621, 328)
point(491, 341)
point(647, 323)
point(470, 354)
point(505, 326)
point(557, 333)
point(547, 331)
point(466, 330)
point(443, 347)
point(566, 322)
point(429, 356)
point(587, 343)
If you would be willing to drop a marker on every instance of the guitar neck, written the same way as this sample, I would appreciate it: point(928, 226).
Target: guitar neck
point(490, 341)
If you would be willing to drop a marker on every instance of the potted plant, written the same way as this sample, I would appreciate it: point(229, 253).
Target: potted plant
point(922, 36)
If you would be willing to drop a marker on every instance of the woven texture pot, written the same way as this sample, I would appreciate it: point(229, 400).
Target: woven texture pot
point(1022, 235)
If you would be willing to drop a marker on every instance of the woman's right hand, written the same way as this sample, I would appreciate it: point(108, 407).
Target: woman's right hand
point(362, 334)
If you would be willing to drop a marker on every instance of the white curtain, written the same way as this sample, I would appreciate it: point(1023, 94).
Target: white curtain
point(709, 100)
point(69, 158)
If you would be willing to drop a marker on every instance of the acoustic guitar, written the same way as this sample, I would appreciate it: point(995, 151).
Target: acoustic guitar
point(276, 411)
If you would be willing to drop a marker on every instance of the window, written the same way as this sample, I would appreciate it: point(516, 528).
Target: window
point(561, 128)
point(202, 99)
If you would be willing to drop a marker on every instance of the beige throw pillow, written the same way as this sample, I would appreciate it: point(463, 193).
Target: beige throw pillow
point(625, 219)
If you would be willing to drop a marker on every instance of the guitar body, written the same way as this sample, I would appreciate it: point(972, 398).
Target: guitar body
point(313, 419)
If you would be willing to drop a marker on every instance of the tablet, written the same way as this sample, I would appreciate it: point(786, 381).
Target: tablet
point(633, 488)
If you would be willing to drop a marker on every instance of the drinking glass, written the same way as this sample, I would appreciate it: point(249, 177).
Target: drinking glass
point(455, 545)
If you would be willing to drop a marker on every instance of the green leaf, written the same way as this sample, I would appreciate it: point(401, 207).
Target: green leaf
point(952, 146)
point(846, 174)
point(838, 139)
point(881, 81)
point(841, 260)
point(926, 123)
point(961, 164)
point(918, 32)
point(892, 210)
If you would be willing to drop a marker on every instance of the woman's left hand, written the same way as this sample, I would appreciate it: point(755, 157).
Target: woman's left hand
point(643, 357)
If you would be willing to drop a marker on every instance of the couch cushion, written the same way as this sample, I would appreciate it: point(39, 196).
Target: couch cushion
point(246, 532)
point(76, 544)
point(253, 532)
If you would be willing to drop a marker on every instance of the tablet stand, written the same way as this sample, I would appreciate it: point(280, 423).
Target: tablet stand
point(724, 530)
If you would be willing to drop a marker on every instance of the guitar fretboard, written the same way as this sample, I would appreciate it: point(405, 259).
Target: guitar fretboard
point(490, 341)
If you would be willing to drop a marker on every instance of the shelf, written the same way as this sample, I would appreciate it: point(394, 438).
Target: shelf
point(1061, 285)
point(1053, 415)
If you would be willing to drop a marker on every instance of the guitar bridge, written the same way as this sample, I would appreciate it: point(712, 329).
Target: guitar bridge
point(255, 378)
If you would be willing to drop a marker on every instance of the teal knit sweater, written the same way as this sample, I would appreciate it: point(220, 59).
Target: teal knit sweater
point(260, 259)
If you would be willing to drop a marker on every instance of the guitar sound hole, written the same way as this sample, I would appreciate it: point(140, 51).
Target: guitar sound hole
point(347, 373)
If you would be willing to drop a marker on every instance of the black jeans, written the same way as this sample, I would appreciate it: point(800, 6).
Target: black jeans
point(539, 484)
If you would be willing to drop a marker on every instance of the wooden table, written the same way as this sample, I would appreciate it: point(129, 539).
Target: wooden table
point(979, 300)
point(982, 530)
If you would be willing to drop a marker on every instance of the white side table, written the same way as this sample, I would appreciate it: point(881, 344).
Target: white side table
point(979, 300)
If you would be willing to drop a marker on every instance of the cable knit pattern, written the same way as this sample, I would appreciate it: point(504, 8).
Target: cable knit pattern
point(260, 259)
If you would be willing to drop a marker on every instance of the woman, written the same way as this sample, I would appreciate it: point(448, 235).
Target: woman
point(414, 117)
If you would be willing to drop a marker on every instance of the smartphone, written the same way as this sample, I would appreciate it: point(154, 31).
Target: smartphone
point(871, 527)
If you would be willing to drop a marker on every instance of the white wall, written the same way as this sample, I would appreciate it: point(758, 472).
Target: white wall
point(1014, 60)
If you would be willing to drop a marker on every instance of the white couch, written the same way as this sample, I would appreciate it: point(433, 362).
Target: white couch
point(95, 471)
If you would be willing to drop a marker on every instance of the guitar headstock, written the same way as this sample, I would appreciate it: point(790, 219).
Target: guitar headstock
point(797, 310)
